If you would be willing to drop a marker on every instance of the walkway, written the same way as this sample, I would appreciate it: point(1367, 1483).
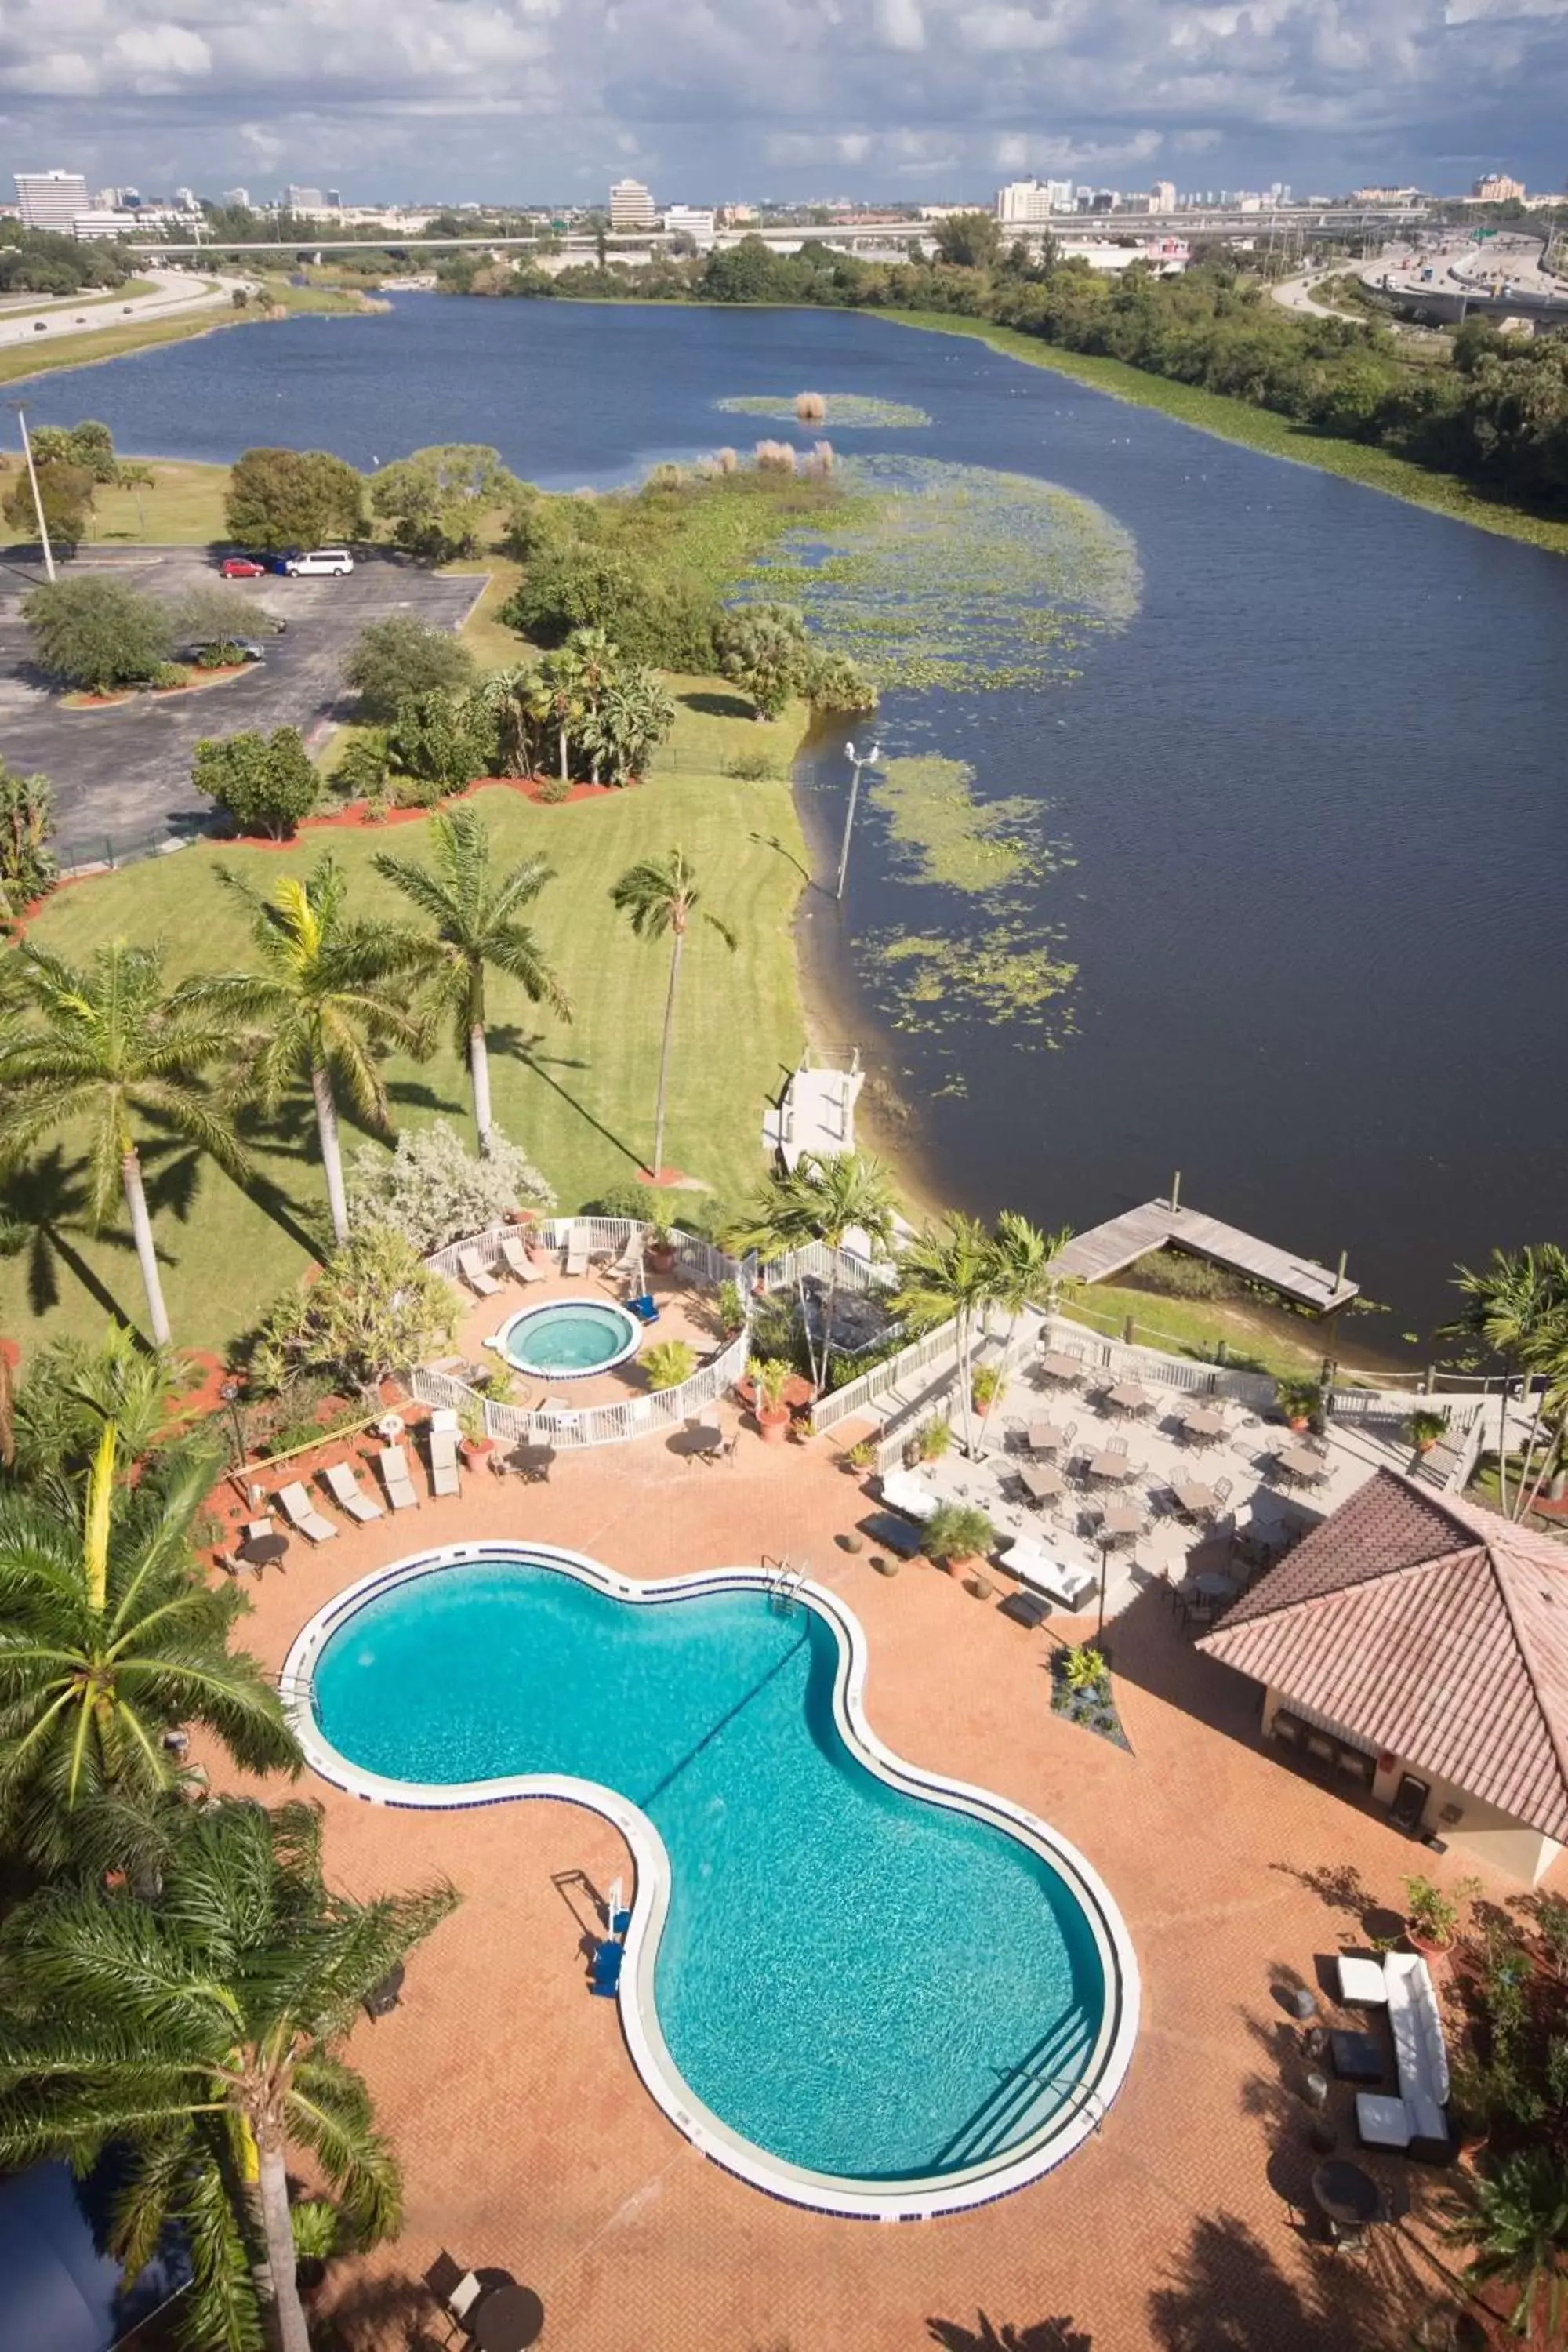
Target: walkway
point(1111, 1248)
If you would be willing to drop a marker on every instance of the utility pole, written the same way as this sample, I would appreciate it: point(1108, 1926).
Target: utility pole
point(32, 478)
point(870, 760)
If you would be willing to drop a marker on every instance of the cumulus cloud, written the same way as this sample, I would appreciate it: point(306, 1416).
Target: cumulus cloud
point(723, 98)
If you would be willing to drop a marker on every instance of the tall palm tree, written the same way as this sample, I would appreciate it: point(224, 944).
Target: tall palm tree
point(1547, 1358)
point(561, 679)
point(950, 1270)
point(504, 696)
point(107, 1044)
point(473, 912)
point(1508, 1302)
point(661, 895)
point(322, 1004)
point(109, 1636)
point(823, 1198)
point(1514, 2219)
point(1022, 1258)
point(199, 2033)
point(73, 1388)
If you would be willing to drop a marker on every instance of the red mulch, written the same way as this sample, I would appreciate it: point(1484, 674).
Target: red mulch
point(158, 693)
point(665, 1180)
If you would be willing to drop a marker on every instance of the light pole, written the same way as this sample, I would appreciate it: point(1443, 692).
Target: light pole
point(870, 760)
point(229, 1393)
point(32, 478)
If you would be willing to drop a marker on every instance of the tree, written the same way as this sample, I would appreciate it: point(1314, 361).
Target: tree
point(399, 657)
point(211, 613)
point(950, 1270)
point(559, 685)
point(279, 498)
point(73, 1388)
point(324, 1000)
point(109, 1636)
point(89, 445)
point(823, 1198)
point(969, 240)
point(65, 493)
point(831, 681)
point(474, 916)
point(443, 738)
point(198, 2034)
point(764, 647)
point(1515, 2221)
point(436, 499)
point(107, 1046)
point(633, 716)
point(29, 866)
point(1507, 1305)
point(1022, 1260)
point(372, 1311)
point(98, 633)
point(661, 895)
point(433, 1191)
point(266, 782)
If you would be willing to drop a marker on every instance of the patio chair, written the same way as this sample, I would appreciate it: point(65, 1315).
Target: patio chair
point(393, 1467)
point(256, 1529)
point(445, 1476)
point(349, 1494)
point(576, 1258)
point(1222, 1493)
point(301, 1513)
point(482, 1284)
point(517, 1262)
point(625, 1267)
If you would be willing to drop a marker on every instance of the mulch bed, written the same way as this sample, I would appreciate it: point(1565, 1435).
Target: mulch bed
point(1094, 1710)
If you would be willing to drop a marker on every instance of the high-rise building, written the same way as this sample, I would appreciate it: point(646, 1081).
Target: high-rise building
point(51, 199)
point(631, 205)
point(239, 197)
point(1491, 188)
point(1026, 202)
point(303, 200)
point(1163, 196)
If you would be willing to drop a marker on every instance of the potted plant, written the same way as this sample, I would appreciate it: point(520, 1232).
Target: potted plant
point(1424, 1428)
point(1432, 1917)
point(771, 1377)
point(661, 1238)
point(476, 1440)
point(731, 1309)
point(930, 1443)
point(985, 1386)
point(318, 2234)
point(858, 1458)
point(957, 1536)
point(1085, 1672)
point(668, 1362)
point(1299, 1399)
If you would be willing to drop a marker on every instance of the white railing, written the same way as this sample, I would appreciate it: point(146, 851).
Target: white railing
point(920, 1356)
point(566, 1428)
point(601, 1238)
point(835, 1265)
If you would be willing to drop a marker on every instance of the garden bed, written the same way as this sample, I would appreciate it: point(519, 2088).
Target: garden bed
point(1093, 1708)
point(195, 682)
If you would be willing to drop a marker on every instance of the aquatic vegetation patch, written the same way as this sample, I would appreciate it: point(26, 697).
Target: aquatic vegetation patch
point(1010, 974)
point(844, 412)
point(958, 576)
point(944, 835)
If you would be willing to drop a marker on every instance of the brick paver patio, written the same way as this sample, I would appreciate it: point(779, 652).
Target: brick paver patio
point(527, 2142)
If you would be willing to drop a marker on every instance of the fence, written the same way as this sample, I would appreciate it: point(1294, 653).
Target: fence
point(817, 1261)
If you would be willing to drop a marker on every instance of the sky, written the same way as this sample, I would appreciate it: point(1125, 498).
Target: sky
point(709, 101)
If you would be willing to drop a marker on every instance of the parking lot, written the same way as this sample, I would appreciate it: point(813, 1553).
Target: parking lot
point(123, 773)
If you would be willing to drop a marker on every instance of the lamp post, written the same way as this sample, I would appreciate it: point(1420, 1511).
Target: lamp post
point(870, 760)
point(229, 1393)
point(32, 478)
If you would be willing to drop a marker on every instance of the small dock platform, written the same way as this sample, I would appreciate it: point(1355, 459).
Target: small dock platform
point(1110, 1249)
point(816, 1111)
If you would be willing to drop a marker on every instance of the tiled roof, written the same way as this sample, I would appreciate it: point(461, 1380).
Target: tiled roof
point(1431, 1627)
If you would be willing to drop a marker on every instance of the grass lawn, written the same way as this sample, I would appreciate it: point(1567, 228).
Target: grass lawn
point(1189, 1326)
point(579, 1098)
point(183, 508)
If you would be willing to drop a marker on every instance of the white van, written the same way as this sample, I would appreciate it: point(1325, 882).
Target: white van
point(321, 564)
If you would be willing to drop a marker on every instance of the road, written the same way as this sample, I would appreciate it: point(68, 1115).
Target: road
point(176, 293)
point(1503, 274)
point(123, 774)
point(1296, 295)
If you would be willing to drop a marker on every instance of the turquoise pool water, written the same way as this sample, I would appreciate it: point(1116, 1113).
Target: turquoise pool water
point(857, 1980)
point(570, 1338)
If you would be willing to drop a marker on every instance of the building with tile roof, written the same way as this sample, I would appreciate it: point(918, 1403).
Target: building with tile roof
point(1418, 1647)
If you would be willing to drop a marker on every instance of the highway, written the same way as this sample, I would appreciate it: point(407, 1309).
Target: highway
point(175, 293)
point(1502, 277)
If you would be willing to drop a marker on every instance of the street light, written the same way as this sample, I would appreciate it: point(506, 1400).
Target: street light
point(229, 1393)
point(870, 760)
point(32, 478)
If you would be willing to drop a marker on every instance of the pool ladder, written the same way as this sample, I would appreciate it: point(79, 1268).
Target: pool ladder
point(785, 1583)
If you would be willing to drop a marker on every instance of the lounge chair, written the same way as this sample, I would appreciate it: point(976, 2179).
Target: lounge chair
point(445, 1477)
point(517, 1262)
point(483, 1284)
point(576, 1260)
point(348, 1494)
point(394, 1477)
point(627, 1268)
point(301, 1513)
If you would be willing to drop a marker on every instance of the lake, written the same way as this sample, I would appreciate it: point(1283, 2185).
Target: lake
point(1311, 792)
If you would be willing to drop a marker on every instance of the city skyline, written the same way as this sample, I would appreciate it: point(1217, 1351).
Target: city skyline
point(891, 98)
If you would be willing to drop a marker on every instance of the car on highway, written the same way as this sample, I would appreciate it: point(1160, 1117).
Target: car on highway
point(242, 567)
point(321, 564)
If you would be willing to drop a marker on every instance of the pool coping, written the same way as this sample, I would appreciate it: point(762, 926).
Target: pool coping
point(498, 1339)
point(904, 2200)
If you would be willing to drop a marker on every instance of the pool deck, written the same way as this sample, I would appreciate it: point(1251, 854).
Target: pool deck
point(683, 1314)
point(527, 2141)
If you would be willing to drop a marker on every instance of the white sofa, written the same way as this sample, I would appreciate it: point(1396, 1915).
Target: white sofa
point(1421, 2058)
point(913, 1497)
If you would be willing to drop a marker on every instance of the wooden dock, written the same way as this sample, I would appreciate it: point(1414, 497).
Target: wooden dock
point(1108, 1249)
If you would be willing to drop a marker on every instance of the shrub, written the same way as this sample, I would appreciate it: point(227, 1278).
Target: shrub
point(362, 771)
point(372, 1310)
point(1084, 1669)
point(398, 658)
point(771, 1377)
point(957, 1531)
point(763, 648)
point(625, 1198)
point(167, 678)
point(985, 1385)
point(731, 1308)
point(266, 782)
point(1299, 1399)
point(752, 767)
point(667, 1363)
point(831, 681)
point(443, 739)
point(554, 790)
point(432, 1191)
point(933, 1441)
point(98, 633)
point(1177, 1276)
point(280, 498)
point(29, 866)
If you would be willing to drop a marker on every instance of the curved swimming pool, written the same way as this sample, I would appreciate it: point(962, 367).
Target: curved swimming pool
point(862, 1988)
point(568, 1338)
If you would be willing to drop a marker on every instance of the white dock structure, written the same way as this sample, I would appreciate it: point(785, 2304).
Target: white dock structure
point(816, 1111)
point(1108, 1249)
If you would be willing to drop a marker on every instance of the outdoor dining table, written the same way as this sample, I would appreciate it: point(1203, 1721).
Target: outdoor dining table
point(1120, 1520)
point(1214, 1585)
point(1300, 1463)
point(1045, 1437)
point(1057, 1366)
point(1129, 1396)
point(1045, 1486)
point(1120, 1466)
point(1193, 1500)
point(1203, 1422)
point(1344, 2194)
point(261, 1551)
point(703, 1440)
point(507, 2319)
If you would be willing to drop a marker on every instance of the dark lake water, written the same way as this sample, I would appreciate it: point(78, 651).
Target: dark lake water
point(1317, 790)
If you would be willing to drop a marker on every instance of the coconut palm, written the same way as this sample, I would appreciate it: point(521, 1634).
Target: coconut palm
point(823, 1198)
point(1546, 1355)
point(73, 1387)
point(561, 680)
point(950, 1270)
point(661, 895)
point(106, 1044)
point(322, 1004)
point(1022, 1258)
point(473, 912)
point(198, 2034)
point(109, 1636)
point(504, 697)
point(1507, 1304)
point(1514, 2219)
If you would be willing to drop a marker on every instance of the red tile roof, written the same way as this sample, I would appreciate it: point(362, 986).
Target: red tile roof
point(1431, 1627)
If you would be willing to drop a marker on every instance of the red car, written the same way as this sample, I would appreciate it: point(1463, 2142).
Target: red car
point(242, 567)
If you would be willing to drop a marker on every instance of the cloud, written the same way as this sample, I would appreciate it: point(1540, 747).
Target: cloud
point(899, 23)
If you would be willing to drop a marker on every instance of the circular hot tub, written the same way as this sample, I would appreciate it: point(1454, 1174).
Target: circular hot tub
point(569, 1339)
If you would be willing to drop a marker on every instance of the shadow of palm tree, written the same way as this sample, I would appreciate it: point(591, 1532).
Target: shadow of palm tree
point(718, 706)
point(1226, 2293)
point(526, 1048)
point(46, 1201)
point(1034, 2335)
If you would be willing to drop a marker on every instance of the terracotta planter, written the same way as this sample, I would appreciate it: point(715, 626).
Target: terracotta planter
point(1430, 1948)
point(970, 1565)
point(474, 1449)
point(661, 1260)
point(1301, 1426)
point(774, 1424)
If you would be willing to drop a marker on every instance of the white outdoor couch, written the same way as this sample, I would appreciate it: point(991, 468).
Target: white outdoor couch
point(1031, 1564)
point(1421, 2059)
point(914, 1497)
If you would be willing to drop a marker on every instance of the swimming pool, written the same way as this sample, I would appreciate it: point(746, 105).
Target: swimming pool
point(863, 1988)
point(567, 1338)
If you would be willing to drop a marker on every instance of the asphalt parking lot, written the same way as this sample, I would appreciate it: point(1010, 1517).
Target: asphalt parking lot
point(123, 774)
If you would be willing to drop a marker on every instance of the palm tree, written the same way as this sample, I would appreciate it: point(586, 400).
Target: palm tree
point(1515, 2221)
point(73, 1388)
point(1022, 1258)
point(198, 2033)
point(561, 678)
point(474, 915)
point(596, 660)
point(1508, 1302)
point(657, 896)
point(109, 1636)
point(1547, 1358)
point(823, 1198)
point(107, 1044)
point(950, 1270)
point(322, 1004)
point(505, 697)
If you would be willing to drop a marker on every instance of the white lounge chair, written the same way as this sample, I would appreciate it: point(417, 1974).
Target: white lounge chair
point(576, 1253)
point(348, 1494)
point(1421, 2062)
point(628, 1267)
point(445, 1478)
point(913, 1497)
point(482, 1284)
point(518, 1262)
point(394, 1477)
point(301, 1513)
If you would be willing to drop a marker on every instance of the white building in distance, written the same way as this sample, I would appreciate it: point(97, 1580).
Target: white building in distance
point(699, 222)
point(631, 205)
point(1024, 204)
point(51, 199)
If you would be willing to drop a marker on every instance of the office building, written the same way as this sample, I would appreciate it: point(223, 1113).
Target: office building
point(631, 205)
point(1163, 196)
point(239, 197)
point(50, 199)
point(303, 200)
point(1023, 203)
point(1491, 188)
point(699, 222)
